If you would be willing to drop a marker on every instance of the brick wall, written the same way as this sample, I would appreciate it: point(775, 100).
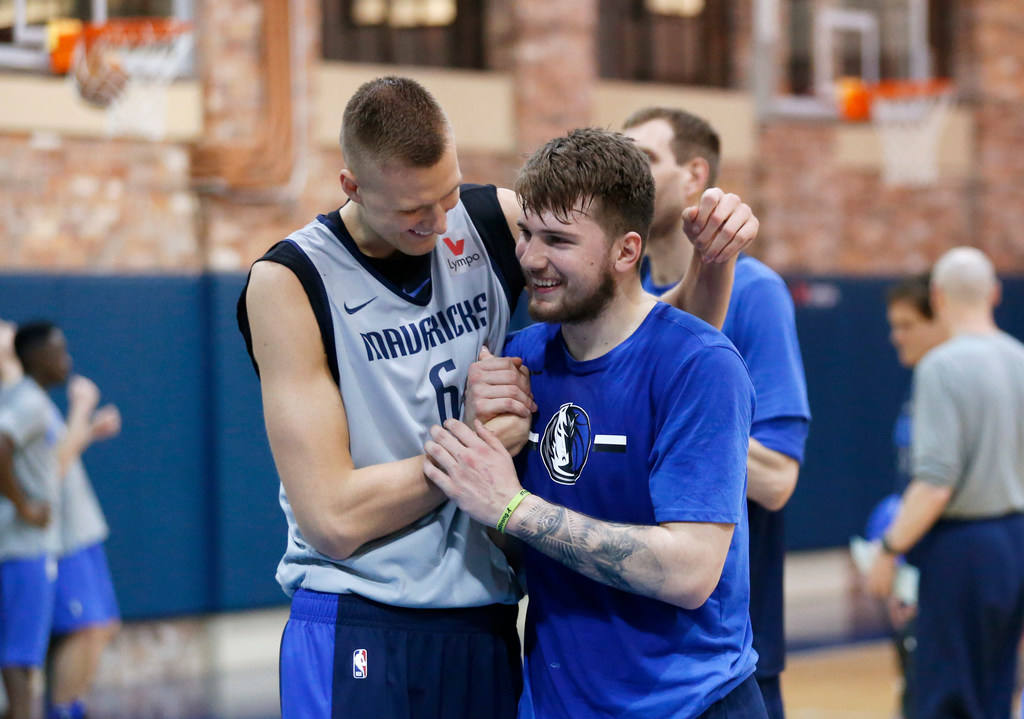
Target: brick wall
point(93, 205)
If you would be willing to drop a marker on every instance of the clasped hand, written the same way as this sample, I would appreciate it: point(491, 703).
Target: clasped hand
point(472, 468)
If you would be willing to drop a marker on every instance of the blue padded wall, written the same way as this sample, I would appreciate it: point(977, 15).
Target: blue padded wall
point(189, 487)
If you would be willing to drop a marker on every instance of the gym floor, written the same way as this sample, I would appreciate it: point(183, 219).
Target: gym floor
point(224, 667)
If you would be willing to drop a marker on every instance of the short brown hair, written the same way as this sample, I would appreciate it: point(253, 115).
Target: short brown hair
point(394, 119)
point(914, 291)
point(591, 168)
point(693, 136)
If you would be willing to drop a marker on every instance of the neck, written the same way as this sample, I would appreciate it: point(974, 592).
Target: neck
point(624, 314)
point(962, 320)
point(369, 242)
point(669, 253)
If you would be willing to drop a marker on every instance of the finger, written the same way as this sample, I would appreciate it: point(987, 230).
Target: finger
point(716, 222)
point(484, 353)
point(461, 433)
point(489, 437)
point(491, 408)
point(728, 242)
point(440, 456)
point(709, 201)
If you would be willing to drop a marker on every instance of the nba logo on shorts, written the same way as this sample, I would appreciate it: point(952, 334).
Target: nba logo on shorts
point(359, 664)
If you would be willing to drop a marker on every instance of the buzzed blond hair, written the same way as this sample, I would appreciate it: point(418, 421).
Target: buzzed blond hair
point(965, 275)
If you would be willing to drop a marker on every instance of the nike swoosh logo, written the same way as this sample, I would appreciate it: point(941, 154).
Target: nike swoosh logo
point(353, 310)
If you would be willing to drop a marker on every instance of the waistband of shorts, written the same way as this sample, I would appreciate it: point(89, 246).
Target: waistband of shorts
point(354, 610)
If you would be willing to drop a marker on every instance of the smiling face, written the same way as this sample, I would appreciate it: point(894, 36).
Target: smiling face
point(404, 208)
point(569, 267)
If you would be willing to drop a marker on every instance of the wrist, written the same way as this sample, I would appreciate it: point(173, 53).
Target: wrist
point(887, 547)
point(513, 503)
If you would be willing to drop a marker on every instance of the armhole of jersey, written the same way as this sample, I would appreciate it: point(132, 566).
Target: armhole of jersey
point(287, 253)
point(481, 201)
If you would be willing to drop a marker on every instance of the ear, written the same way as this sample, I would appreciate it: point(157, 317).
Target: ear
point(630, 251)
point(700, 171)
point(349, 185)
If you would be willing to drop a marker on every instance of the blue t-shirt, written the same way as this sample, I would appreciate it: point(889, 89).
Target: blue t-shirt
point(653, 431)
point(761, 324)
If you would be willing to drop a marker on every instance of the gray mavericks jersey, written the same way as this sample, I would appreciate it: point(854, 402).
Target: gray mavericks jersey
point(82, 523)
point(401, 364)
point(34, 424)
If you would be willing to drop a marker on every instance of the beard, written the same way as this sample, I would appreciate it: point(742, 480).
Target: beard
point(577, 307)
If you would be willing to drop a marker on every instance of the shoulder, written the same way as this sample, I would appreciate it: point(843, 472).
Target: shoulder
point(752, 275)
point(679, 332)
point(530, 342)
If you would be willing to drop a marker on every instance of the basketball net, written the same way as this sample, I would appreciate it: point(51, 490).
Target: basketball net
point(125, 66)
point(908, 118)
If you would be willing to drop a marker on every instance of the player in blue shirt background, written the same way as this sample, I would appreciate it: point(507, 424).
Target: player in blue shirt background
point(684, 151)
point(633, 482)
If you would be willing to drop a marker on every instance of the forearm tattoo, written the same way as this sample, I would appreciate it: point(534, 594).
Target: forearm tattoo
point(610, 553)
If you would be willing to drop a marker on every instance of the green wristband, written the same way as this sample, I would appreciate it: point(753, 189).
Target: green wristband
point(509, 508)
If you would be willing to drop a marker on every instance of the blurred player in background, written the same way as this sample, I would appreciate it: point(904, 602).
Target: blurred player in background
point(961, 519)
point(30, 431)
point(684, 152)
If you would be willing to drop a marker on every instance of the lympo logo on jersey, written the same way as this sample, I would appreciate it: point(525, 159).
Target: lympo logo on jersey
point(359, 664)
point(460, 261)
point(565, 446)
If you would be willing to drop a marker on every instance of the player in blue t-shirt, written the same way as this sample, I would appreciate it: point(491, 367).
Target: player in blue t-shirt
point(634, 477)
point(684, 153)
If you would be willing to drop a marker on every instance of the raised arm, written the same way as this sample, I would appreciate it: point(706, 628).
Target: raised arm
point(83, 396)
point(676, 562)
point(720, 226)
point(338, 507)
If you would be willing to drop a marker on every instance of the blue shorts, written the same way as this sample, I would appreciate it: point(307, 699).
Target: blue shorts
point(342, 655)
point(85, 592)
point(27, 589)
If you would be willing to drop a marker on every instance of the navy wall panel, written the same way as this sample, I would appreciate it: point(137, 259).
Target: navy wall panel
point(141, 340)
point(190, 488)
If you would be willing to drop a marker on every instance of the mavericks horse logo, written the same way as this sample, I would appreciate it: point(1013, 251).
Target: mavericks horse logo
point(566, 443)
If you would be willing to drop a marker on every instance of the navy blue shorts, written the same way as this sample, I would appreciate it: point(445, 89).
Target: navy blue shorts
point(342, 656)
point(743, 702)
point(26, 610)
point(970, 617)
point(85, 591)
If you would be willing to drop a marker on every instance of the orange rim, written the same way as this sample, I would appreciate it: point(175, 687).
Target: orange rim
point(134, 31)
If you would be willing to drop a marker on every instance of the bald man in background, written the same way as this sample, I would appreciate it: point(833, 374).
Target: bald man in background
point(962, 516)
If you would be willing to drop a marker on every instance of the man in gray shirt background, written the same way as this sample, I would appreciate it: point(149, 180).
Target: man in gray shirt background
point(962, 516)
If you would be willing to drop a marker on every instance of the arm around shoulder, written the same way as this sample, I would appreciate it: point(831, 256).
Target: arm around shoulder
point(337, 506)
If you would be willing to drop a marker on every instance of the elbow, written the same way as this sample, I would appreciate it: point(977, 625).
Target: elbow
point(334, 539)
point(693, 596)
point(775, 501)
point(773, 489)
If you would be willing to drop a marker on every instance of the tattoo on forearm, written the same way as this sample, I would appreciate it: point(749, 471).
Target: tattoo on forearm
point(609, 553)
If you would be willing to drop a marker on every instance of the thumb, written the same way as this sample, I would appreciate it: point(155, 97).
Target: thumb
point(484, 353)
point(690, 214)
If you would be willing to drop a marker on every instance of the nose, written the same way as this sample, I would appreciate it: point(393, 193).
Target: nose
point(438, 219)
point(530, 255)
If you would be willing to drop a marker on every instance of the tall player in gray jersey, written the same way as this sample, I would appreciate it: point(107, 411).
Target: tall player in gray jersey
point(362, 326)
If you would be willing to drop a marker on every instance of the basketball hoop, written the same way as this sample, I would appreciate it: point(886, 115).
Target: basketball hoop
point(908, 117)
point(125, 66)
